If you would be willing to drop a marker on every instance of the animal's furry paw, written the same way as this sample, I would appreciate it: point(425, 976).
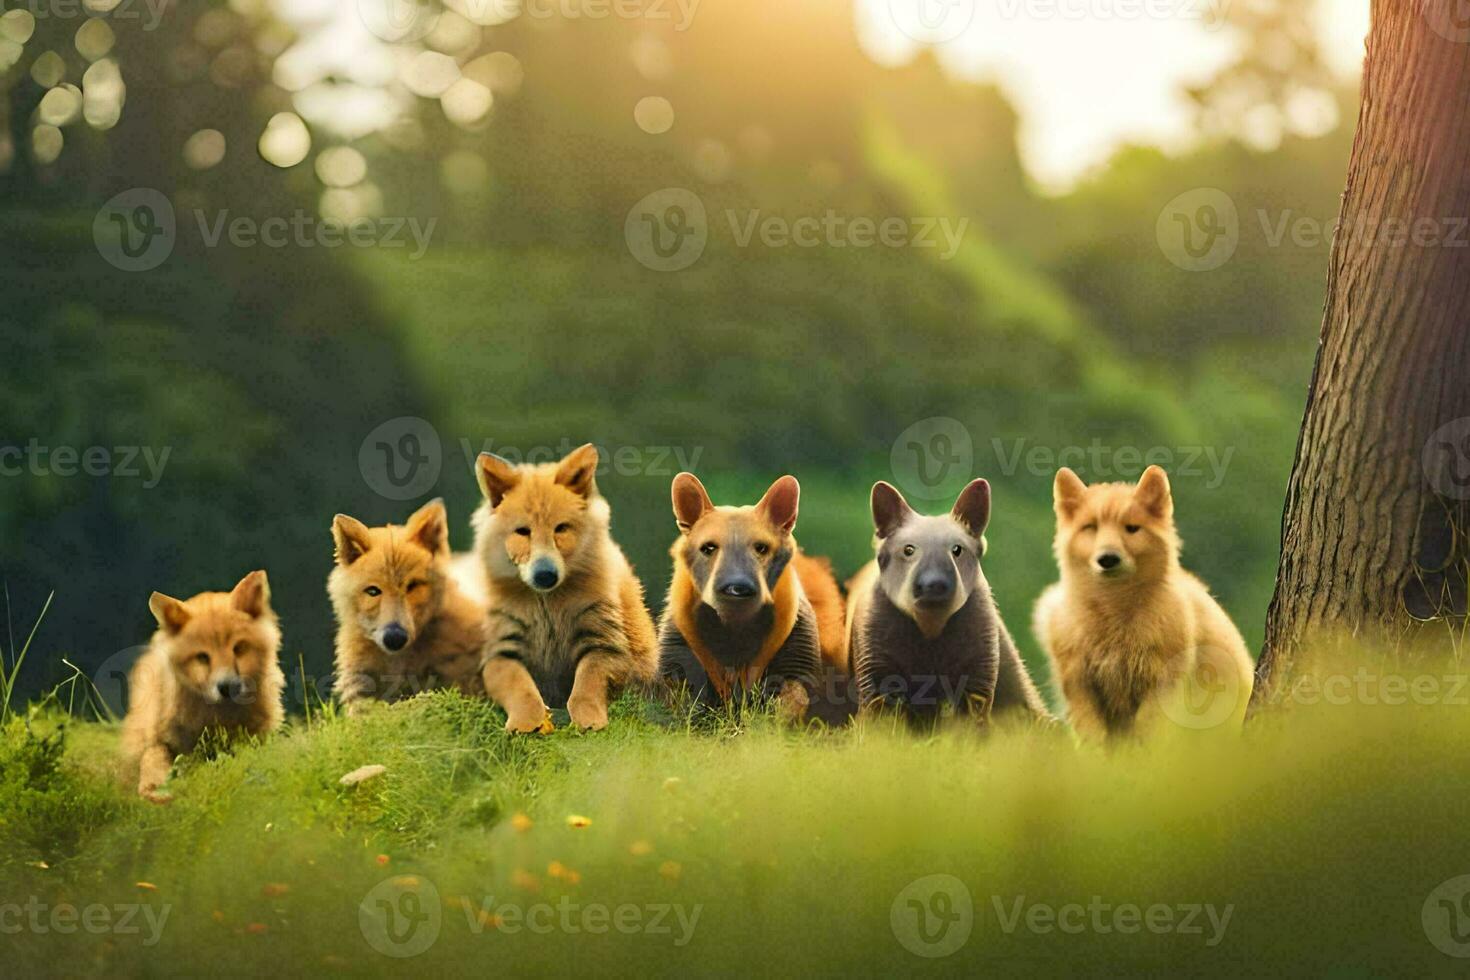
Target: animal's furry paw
point(588, 713)
point(154, 794)
point(528, 723)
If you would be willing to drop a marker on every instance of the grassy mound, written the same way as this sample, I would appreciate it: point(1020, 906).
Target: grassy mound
point(1316, 841)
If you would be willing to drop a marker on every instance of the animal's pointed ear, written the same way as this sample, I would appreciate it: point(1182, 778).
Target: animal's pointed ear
point(252, 595)
point(1067, 492)
point(781, 503)
point(690, 501)
point(1153, 494)
point(352, 538)
point(972, 508)
point(496, 477)
point(429, 526)
point(170, 612)
point(890, 510)
point(578, 470)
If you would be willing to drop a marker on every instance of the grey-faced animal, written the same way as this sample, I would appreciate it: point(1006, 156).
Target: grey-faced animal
point(925, 634)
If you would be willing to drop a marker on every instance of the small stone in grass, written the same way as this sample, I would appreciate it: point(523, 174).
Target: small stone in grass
point(362, 774)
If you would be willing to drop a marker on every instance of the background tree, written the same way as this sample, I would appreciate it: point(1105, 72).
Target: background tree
point(1373, 538)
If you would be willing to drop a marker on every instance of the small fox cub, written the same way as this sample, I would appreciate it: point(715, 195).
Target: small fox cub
point(926, 634)
point(746, 609)
point(1133, 638)
point(403, 624)
point(567, 624)
point(213, 663)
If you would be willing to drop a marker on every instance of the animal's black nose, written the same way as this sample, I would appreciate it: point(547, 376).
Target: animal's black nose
point(394, 636)
point(230, 688)
point(544, 578)
point(1108, 560)
point(740, 588)
point(933, 587)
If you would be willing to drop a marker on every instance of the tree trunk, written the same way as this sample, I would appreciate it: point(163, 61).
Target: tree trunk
point(1373, 541)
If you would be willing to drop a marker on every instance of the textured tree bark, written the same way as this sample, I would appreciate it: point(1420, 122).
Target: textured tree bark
point(1373, 541)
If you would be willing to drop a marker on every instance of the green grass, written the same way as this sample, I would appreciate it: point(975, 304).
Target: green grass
point(1323, 831)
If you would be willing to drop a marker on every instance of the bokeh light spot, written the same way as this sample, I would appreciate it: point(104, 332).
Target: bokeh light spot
point(654, 114)
point(286, 140)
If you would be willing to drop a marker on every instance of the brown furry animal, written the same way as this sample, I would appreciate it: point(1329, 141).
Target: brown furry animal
point(567, 623)
point(403, 623)
point(1134, 639)
point(746, 609)
point(213, 663)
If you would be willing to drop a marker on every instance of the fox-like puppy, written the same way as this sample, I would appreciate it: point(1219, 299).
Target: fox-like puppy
point(1134, 638)
point(747, 610)
point(213, 663)
point(925, 631)
point(566, 623)
point(403, 623)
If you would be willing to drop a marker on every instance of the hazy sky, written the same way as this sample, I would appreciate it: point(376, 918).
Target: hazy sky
point(1086, 75)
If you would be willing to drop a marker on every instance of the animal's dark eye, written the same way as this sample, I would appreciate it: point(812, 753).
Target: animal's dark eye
point(1089, 527)
point(708, 548)
point(372, 590)
point(202, 657)
point(242, 648)
point(416, 583)
point(1131, 528)
point(524, 532)
point(957, 550)
point(761, 547)
point(908, 551)
point(563, 528)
